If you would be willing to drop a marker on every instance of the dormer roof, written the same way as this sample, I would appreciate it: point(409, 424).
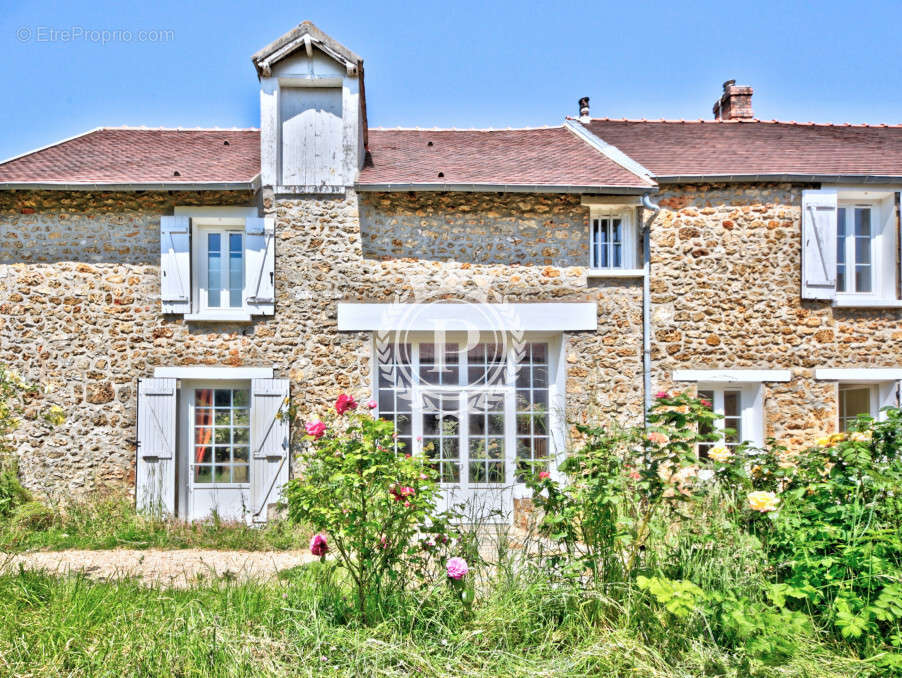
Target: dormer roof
point(305, 36)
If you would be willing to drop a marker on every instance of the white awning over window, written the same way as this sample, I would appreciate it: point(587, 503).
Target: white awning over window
point(463, 317)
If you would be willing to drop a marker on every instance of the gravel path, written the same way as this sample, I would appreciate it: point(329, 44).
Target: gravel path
point(179, 568)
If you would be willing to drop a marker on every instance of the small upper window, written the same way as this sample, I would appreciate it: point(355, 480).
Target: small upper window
point(217, 264)
point(222, 283)
point(854, 249)
point(612, 241)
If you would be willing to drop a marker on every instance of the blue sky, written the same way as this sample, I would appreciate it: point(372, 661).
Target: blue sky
point(460, 64)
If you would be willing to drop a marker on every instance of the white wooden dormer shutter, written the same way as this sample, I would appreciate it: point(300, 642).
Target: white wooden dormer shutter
point(260, 265)
point(175, 264)
point(269, 443)
point(819, 244)
point(155, 464)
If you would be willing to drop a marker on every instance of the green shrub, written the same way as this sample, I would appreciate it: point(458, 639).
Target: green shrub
point(12, 494)
point(33, 515)
point(368, 501)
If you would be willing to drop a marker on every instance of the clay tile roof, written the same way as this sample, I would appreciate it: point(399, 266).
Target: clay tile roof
point(549, 156)
point(670, 148)
point(141, 156)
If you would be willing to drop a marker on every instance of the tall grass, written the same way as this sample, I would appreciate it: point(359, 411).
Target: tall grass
point(522, 625)
point(105, 523)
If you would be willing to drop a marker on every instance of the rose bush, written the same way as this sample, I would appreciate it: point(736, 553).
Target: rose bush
point(367, 501)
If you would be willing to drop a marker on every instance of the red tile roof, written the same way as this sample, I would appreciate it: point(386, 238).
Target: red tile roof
point(142, 156)
point(676, 148)
point(549, 156)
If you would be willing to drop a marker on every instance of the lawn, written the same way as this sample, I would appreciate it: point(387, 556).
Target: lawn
point(520, 626)
point(105, 523)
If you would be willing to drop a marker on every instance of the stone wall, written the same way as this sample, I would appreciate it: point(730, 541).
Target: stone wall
point(79, 304)
point(726, 293)
point(80, 309)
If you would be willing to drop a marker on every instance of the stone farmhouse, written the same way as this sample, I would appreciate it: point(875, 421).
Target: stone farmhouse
point(171, 287)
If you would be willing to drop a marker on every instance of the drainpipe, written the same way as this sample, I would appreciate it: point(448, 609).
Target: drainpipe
point(647, 204)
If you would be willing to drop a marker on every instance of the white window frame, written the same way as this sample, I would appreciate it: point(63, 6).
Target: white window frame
point(202, 229)
point(883, 250)
point(751, 402)
point(556, 398)
point(629, 260)
point(884, 383)
point(203, 220)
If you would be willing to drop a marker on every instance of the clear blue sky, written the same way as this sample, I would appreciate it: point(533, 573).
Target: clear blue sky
point(461, 63)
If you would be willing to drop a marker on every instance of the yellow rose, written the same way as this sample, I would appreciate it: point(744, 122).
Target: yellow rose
point(720, 454)
point(824, 442)
point(861, 436)
point(763, 501)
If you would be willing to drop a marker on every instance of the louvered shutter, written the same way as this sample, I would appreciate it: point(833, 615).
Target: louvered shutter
point(269, 443)
point(175, 264)
point(155, 464)
point(819, 244)
point(260, 265)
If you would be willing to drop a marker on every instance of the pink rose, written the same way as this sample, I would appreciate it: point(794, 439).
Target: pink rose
point(318, 545)
point(662, 394)
point(658, 438)
point(706, 403)
point(345, 403)
point(543, 475)
point(315, 429)
point(371, 404)
point(457, 568)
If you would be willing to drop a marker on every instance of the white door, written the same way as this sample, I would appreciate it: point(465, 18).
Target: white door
point(218, 469)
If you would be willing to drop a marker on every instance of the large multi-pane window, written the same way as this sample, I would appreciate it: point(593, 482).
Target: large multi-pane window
point(225, 269)
point(476, 413)
point(728, 404)
point(854, 249)
point(221, 440)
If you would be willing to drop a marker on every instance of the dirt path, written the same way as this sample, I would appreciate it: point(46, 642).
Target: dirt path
point(178, 568)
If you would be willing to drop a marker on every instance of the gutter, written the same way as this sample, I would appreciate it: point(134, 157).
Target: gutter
point(654, 208)
point(79, 186)
point(794, 178)
point(502, 188)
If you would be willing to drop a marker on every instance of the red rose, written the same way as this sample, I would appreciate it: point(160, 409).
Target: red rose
point(345, 403)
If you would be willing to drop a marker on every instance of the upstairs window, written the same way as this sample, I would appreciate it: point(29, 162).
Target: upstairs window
point(849, 242)
point(222, 283)
point(217, 264)
point(612, 242)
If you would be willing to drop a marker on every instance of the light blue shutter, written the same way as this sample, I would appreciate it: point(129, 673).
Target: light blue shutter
point(260, 265)
point(819, 244)
point(269, 443)
point(175, 264)
point(156, 458)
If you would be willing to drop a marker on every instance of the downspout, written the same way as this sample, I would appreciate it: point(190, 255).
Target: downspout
point(647, 204)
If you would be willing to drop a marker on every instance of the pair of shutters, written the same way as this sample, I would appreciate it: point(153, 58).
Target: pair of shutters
point(176, 284)
point(157, 456)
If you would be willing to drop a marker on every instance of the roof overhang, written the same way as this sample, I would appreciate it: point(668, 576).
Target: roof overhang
point(97, 186)
point(781, 178)
point(504, 188)
point(305, 37)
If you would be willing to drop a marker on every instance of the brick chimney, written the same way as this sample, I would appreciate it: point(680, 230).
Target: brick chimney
point(735, 103)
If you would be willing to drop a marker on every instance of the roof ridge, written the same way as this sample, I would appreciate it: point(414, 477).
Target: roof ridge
point(746, 122)
point(464, 129)
point(140, 128)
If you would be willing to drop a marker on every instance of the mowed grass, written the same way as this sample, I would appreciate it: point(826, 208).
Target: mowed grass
point(301, 626)
point(106, 523)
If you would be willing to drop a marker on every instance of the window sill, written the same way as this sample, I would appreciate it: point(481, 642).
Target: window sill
point(209, 317)
point(615, 273)
point(854, 301)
